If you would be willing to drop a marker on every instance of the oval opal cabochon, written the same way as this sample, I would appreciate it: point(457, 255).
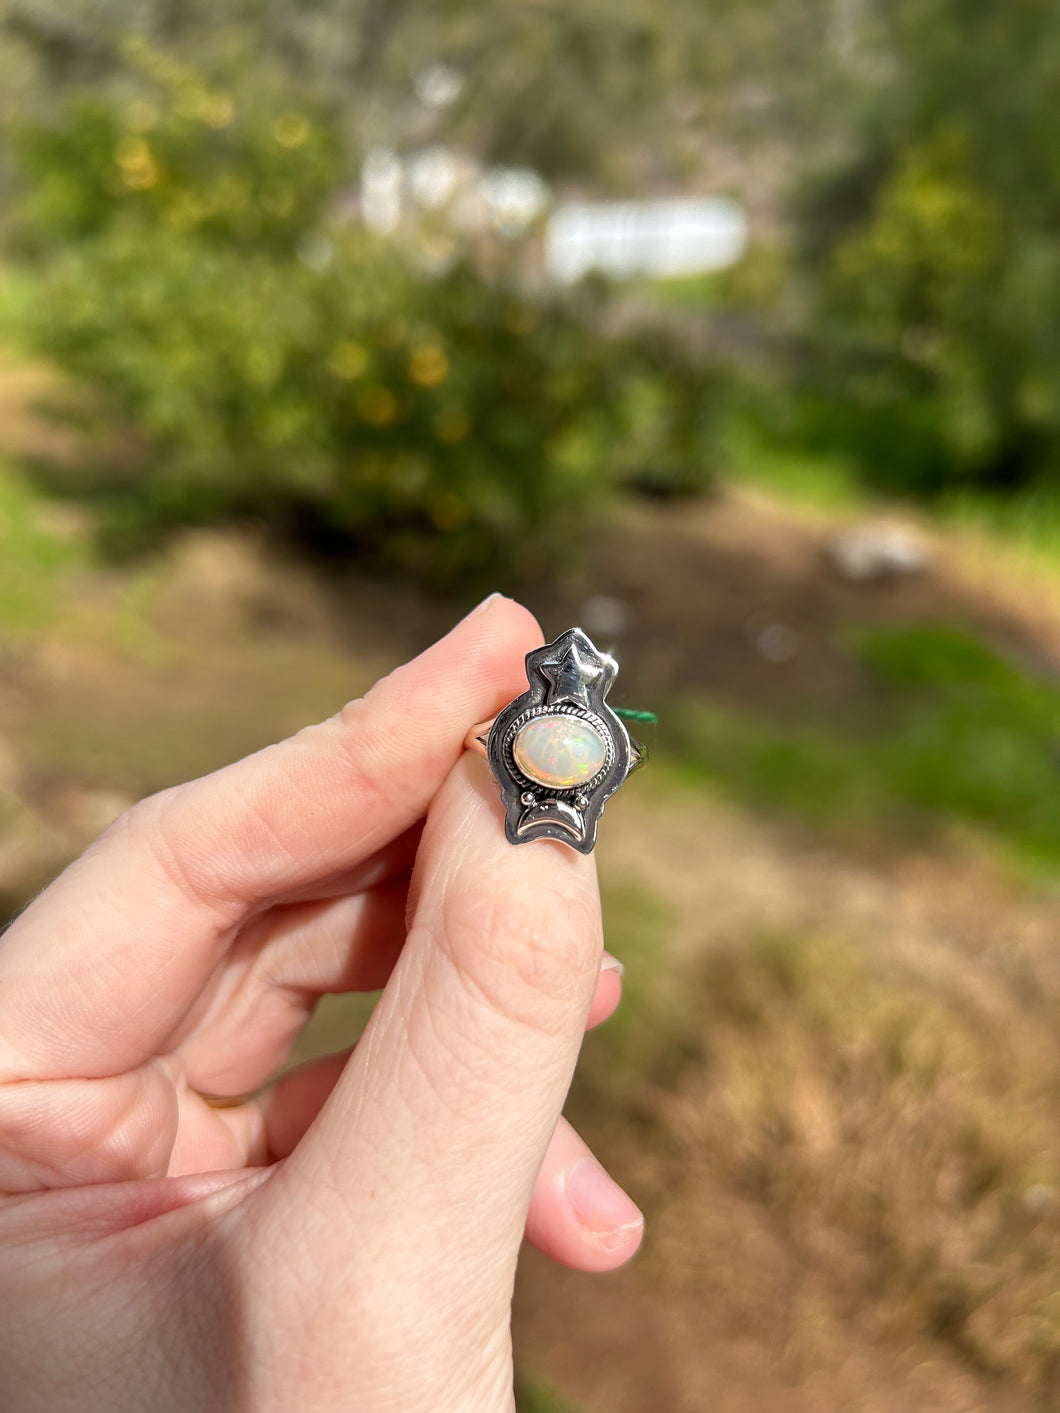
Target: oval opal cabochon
point(559, 751)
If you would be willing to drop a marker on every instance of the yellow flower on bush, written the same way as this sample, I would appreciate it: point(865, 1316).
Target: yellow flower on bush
point(136, 163)
point(291, 130)
point(448, 511)
point(218, 110)
point(452, 425)
point(428, 366)
point(348, 360)
point(377, 406)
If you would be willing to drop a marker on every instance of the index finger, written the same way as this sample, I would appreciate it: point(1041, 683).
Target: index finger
point(96, 975)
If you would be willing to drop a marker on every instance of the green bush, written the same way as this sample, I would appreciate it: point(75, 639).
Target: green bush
point(949, 734)
point(933, 345)
point(941, 348)
point(269, 358)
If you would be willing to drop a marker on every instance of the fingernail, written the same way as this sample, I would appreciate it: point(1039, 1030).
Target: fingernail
point(483, 606)
point(600, 1205)
point(610, 963)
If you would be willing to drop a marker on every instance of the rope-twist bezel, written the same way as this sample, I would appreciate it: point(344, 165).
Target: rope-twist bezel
point(591, 718)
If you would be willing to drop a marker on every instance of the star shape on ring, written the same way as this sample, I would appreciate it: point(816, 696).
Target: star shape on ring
point(570, 677)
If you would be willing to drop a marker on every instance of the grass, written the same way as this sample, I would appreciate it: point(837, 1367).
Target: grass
point(753, 456)
point(16, 293)
point(950, 735)
point(1022, 526)
point(36, 559)
point(532, 1396)
point(843, 1139)
point(634, 919)
point(889, 1135)
point(1019, 527)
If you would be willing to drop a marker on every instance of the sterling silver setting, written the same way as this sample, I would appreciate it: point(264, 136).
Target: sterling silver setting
point(569, 678)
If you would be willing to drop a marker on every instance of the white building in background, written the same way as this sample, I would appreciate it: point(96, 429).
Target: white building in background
point(398, 191)
point(381, 194)
point(443, 202)
point(680, 236)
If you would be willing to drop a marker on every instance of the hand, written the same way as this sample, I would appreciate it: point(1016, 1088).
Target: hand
point(346, 1239)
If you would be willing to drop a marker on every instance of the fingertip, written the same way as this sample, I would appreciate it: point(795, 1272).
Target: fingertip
point(606, 1213)
point(579, 1216)
point(499, 628)
point(475, 668)
point(424, 708)
point(608, 992)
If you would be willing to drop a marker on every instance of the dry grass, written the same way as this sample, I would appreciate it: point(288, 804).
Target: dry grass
point(895, 1138)
point(846, 1136)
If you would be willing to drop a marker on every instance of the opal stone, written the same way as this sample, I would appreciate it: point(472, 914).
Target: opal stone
point(559, 751)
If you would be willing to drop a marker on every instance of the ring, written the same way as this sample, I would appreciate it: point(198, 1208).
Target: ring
point(559, 752)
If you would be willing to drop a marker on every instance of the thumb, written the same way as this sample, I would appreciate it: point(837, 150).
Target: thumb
point(422, 1162)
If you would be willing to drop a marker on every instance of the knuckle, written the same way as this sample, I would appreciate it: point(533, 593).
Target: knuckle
point(143, 819)
point(530, 953)
point(139, 830)
point(372, 731)
point(131, 823)
point(353, 716)
point(146, 827)
point(162, 831)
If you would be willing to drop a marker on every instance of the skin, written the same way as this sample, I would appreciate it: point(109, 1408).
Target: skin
point(347, 1238)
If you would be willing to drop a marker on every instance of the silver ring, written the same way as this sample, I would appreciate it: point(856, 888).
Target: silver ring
point(559, 752)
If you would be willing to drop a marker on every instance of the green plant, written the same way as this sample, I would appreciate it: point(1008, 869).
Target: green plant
point(531, 1396)
point(190, 266)
point(931, 347)
point(953, 735)
point(36, 562)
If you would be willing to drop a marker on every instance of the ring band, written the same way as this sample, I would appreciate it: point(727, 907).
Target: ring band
point(558, 751)
point(477, 739)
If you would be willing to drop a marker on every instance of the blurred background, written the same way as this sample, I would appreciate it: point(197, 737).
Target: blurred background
point(729, 329)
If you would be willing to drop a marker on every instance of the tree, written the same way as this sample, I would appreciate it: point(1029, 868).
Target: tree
point(617, 90)
point(931, 246)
